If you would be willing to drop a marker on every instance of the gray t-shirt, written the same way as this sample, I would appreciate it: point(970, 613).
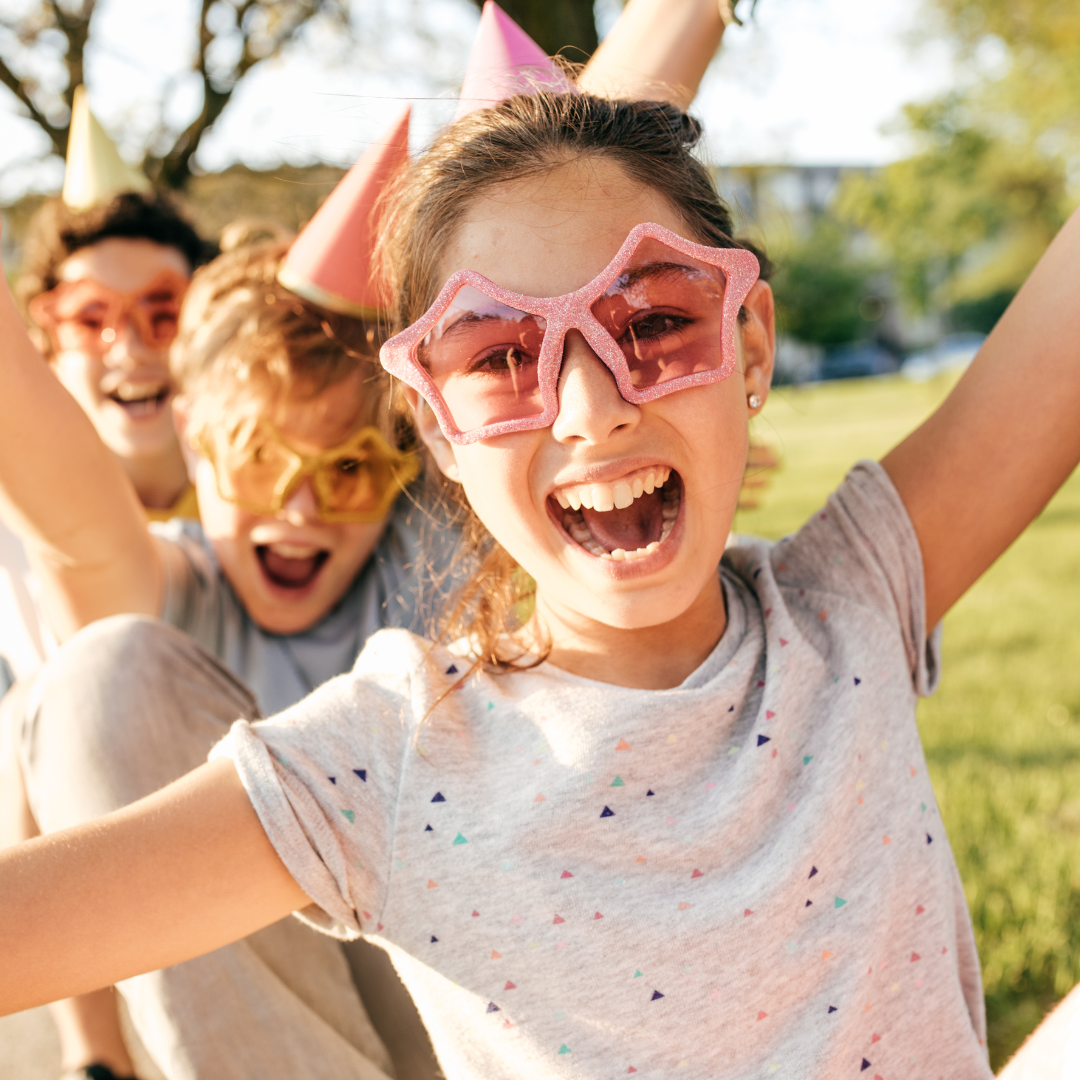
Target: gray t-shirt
point(741, 876)
point(398, 586)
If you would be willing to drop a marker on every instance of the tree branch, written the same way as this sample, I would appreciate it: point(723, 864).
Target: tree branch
point(17, 86)
point(175, 166)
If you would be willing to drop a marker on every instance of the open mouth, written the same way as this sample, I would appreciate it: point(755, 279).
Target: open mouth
point(623, 521)
point(141, 400)
point(290, 566)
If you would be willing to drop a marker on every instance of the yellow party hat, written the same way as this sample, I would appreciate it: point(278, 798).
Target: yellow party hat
point(95, 171)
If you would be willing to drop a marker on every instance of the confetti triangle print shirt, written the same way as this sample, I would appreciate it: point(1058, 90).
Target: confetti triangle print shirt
point(741, 876)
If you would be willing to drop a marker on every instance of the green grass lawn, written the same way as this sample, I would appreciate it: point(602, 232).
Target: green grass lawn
point(1002, 734)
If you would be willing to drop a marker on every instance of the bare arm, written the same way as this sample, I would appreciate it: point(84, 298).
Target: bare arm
point(65, 494)
point(658, 50)
point(984, 465)
point(170, 877)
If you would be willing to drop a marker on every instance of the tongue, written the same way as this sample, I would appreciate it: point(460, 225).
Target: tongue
point(635, 527)
point(292, 573)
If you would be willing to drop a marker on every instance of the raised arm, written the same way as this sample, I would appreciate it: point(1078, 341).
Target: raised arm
point(65, 494)
point(979, 470)
point(658, 50)
point(170, 877)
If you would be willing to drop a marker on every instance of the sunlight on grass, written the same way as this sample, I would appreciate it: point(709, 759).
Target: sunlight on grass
point(1002, 734)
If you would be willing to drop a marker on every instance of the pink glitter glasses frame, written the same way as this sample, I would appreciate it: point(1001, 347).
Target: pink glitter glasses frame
point(572, 312)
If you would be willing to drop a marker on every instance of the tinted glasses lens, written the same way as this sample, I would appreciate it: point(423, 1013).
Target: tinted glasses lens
point(484, 358)
point(253, 467)
point(156, 314)
point(355, 482)
point(85, 313)
point(90, 316)
point(665, 311)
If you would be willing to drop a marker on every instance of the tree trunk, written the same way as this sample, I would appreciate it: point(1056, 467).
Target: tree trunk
point(556, 24)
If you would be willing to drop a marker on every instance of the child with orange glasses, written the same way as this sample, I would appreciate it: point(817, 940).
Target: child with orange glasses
point(134, 252)
point(302, 553)
point(300, 556)
point(678, 820)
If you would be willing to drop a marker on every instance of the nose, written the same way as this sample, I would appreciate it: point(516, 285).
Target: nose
point(126, 349)
point(301, 507)
point(591, 409)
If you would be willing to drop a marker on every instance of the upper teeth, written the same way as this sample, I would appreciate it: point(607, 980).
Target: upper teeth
point(574, 523)
point(615, 496)
point(293, 551)
point(137, 391)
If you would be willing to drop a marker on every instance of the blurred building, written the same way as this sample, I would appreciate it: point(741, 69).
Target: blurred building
point(791, 211)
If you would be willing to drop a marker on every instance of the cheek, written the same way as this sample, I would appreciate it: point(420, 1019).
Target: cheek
point(713, 422)
point(497, 485)
point(80, 375)
point(355, 541)
point(221, 520)
point(158, 361)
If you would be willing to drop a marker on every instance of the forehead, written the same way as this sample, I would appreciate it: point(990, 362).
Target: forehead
point(550, 234)
point(123, 264)
point(309, 422)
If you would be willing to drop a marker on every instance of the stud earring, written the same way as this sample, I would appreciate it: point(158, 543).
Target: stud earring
point(754, 401)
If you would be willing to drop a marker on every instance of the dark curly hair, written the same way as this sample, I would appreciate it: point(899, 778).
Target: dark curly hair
point(57, 232)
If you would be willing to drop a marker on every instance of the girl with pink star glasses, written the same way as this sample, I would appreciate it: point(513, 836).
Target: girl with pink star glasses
point(647, 806)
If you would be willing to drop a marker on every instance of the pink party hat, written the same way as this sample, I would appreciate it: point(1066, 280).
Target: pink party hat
point(506, 61)
point(330, 262)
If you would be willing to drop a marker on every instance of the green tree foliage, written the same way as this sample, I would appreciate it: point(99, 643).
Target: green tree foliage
point(823, 292)
point(965, 218)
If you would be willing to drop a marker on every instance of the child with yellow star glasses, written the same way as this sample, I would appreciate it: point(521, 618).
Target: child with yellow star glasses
point(258, 469)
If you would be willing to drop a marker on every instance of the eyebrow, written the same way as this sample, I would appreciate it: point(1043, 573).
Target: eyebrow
point(467, 318)
point(635, 274)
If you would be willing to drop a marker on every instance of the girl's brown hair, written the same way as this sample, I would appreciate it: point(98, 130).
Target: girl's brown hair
point(528, 135)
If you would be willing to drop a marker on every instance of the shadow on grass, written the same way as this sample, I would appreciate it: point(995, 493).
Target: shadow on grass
point(1054, 514)
point(1051, 757)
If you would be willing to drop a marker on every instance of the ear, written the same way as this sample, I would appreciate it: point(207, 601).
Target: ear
point(181, 416)
point(40, 309)
point(757, 336)
point(427, 426)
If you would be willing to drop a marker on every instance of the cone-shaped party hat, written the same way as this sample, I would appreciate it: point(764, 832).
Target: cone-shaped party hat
point(506, 61)
point(330, 262)
point(95, 171)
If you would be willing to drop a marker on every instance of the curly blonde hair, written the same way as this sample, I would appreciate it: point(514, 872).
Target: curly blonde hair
point(241, 330)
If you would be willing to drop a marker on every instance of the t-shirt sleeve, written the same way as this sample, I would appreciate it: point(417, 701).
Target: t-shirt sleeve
point(191, 583)
point(323, 777)
point(862, 546)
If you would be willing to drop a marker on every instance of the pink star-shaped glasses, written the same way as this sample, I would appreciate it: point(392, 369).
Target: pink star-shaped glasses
point(661, 317)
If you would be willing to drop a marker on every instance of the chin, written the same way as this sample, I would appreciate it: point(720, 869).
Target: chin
point(635, 615)
point(275, 619)
point(128, 441)
point(291, 607)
